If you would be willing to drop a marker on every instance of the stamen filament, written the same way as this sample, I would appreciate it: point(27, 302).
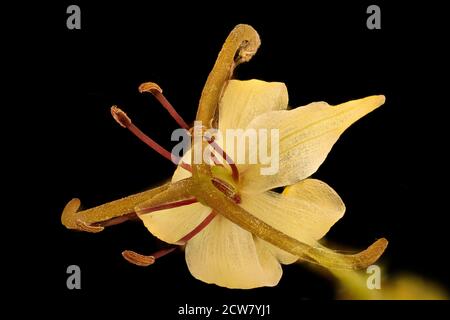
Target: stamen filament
point(156, 91)
point(215, 160)
point(226, 157)
point(122, 119)
point(163, 252)
point(197, 229)
point(227, 190)
point(169, 205)
point(116, 220)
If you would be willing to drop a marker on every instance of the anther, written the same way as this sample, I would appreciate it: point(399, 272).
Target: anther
point(145, 261)
point(137, 258)
point(122, 119)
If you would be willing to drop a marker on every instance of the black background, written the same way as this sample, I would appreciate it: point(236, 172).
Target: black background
point(386, 167)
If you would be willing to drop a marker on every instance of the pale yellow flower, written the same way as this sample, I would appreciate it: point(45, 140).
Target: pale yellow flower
point(236, 230)
point(224, 253)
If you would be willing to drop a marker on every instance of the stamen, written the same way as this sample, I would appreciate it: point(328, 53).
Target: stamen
point(156, 91)
point(234, 169)
point(145, 261)
point(169, 205)
point(215, 160)
point(122, 119)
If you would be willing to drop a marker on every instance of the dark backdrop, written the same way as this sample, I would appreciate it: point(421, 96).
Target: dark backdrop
point(385, 167)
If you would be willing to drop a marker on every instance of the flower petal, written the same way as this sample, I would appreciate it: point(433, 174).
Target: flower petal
point(319, 194)
point(227, 255)
point(307, 213)
point(170, 225)
point(282, 256)
point(306, 137)
point(181, 173)
point(244, 100)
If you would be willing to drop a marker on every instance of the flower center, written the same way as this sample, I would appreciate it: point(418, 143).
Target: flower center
point(224, 155)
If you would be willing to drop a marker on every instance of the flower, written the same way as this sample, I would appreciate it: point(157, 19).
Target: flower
point(224, 253)
point(236, 230)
